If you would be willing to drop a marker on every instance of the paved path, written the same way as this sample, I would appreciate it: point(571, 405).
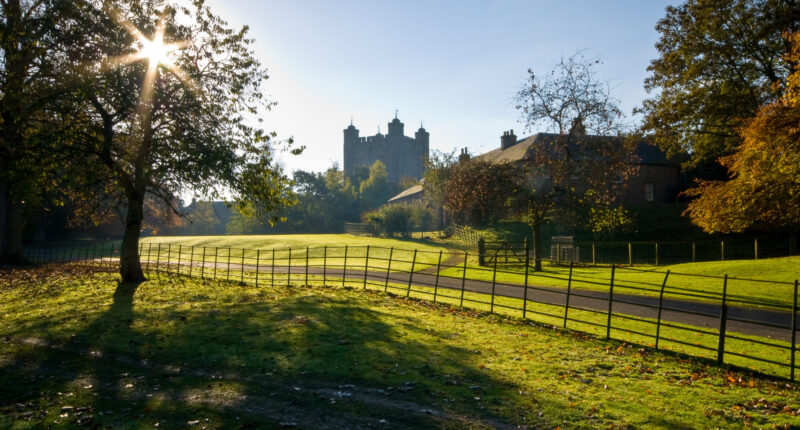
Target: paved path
point(774, 324)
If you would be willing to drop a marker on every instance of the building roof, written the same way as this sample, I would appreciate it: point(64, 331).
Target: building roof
point(410, 191)
point(647, 153)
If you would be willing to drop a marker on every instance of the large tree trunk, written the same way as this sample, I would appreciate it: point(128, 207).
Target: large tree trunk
point(129, 265)
point(11, 251)
point(11, 109)
point(537, 246)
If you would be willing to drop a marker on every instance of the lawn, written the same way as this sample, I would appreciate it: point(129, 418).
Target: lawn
point(177, 352)
point(327, 249)
point(695, 280)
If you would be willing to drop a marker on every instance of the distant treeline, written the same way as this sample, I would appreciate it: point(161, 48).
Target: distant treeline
point(324, 202)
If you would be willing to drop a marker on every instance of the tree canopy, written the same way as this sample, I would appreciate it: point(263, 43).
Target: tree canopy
point(180, 117)
point(579, 171)
point(764, 189)
point(719, 62)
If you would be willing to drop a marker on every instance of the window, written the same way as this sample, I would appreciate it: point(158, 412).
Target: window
point(649, 191)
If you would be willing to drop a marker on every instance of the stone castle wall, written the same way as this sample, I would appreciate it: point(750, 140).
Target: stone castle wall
point(402, 155)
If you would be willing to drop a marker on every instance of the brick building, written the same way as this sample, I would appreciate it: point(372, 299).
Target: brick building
point(657, 179)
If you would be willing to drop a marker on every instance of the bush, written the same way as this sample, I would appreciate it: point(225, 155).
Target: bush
point(391, 220)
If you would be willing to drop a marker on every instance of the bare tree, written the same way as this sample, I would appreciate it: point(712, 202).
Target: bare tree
point(579, 168)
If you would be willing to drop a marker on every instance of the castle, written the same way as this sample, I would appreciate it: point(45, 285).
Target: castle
point(402, 155)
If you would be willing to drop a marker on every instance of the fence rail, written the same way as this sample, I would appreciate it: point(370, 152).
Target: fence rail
point(700, 315)
point(657, 253)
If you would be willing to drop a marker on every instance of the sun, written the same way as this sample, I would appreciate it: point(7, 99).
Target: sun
point(156, 51)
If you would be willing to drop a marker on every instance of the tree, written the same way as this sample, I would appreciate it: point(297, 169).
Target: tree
point(167, 104)
point(764, 186)
point(719, 62)
point(375, 190)
point(400, 219)
point(29, 81)
point(202, 219)
point(477, 191)
point(580, 168)
point(437, 172)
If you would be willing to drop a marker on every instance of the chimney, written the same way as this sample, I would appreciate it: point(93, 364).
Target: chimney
point(464, 156)
point(508, 139)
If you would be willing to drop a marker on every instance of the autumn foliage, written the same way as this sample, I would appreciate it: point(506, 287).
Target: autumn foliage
point(764, 186)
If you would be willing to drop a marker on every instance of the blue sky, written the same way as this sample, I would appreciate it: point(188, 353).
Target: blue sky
point(455, 65)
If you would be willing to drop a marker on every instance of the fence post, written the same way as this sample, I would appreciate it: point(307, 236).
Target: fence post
point(324, 265)
point(794, 331)
point(158, 258)
point(229, 263)
point(344, 267)
point(203, 265)
point(149, 247)
point(241, 280)
point(366, 266)
point(722, 250)
point(307, 265)
point(656, 253)
point(630, 254)
point(216, 254)
point(463, 279)
point(411, 275)
point(289, 269)
point(569, 292)
point(258, 265)
point(660, 306)
point(436, 284)
point(272, 271)
point(525, 288)
point(388, 268)
point(169, 256)
point(594, 255)
point(694, 252)
point(482, 252)
point(610, 301)
point(723, 321)
point(191, 261)
point(494, 278)
point(755, 248)
point(180, 251)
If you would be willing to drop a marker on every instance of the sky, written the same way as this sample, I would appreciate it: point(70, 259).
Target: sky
point(456, 65)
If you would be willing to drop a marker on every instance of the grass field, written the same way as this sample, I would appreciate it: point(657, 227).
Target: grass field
point(334, 244)
point(80, 350)
point(694, 279)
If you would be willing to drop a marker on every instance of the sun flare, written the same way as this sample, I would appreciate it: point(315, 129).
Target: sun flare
point(156, 51)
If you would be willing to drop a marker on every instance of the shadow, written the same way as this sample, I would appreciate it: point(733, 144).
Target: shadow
point(227, 356)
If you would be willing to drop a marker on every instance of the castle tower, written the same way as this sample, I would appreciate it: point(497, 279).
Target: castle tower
point(421, 137)
point(350, 146)
point(396, 127)
point(402, 155)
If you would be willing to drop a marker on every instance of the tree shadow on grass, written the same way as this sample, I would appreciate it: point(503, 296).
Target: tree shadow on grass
point(276, 357)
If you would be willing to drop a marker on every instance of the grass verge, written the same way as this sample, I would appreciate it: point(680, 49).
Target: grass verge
point(178, 352)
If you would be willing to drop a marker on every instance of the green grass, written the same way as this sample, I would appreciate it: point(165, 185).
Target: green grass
point(645, 280)
point(691, 279)
point(380, 249)
point(184, 352)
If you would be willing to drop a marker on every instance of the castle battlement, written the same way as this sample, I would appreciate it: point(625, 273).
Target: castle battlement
point(402, 155)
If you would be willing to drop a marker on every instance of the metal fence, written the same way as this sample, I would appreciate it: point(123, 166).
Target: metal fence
point(651, 253)
point(731, 320)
